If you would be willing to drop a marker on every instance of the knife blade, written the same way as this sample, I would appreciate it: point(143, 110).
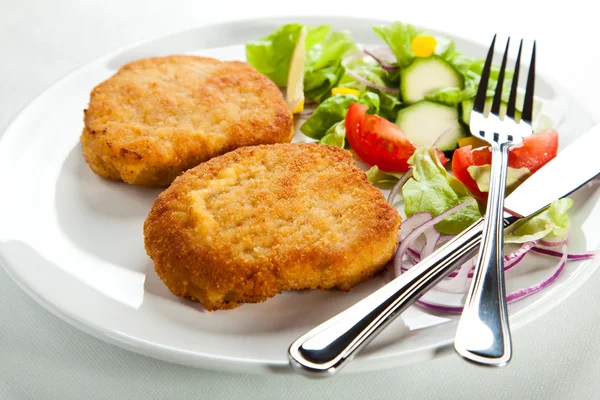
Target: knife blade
point(569, 170)
point(324, 350)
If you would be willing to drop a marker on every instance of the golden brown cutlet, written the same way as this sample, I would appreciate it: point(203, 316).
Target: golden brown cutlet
point(157, 117)
point(244, 226)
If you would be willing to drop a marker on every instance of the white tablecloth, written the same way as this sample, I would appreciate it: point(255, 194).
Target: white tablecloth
point(41, 357)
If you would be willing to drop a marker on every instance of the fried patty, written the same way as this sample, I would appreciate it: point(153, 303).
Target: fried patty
point(244, 226)
point(157, 117)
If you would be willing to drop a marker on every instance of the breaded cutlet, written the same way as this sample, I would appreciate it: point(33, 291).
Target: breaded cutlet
point(242, 227)
point(157, 117)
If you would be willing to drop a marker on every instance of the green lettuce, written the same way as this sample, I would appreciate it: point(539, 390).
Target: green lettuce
point(551, 223)
point(366, 68)
point(377, 176)
point(327, 114)
point(333, 110)
point(399, 37)
point(318, 84)
point(432, 189)
point(371, 100)
point(336, 135)
point(330, 51)
point(323, 68)
point(389, 104)
point(272, 54)
point(481, 175)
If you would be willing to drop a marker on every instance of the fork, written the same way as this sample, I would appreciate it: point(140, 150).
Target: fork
point(483, 333)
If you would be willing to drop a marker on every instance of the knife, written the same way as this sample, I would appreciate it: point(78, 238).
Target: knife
point(324, 350)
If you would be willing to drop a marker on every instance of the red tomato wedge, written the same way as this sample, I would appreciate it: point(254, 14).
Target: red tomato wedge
point(378, 141)
point(535, 151)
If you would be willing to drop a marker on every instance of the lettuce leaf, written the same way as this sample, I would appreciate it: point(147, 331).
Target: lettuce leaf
point(399, 37)
point(336, 135)
point(323, 69)
point(389, 104)
point(481, 175)
point(272, 54)
point(318, 84)
point(551, 223)
point(333, 110)
point(432, 189)
point(371, 100)
point(327, 114)
point(376, 176)
point(366, 68)
point(330, 51)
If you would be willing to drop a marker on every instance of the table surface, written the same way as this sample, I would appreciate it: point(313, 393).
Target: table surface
point(41, 357)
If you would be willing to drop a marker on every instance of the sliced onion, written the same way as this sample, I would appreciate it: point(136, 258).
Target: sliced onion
point(415, 253)
point(525, 247)
point(413, 222)
point(430, 224)
point(398, 186)
point(413, 258)
point(514, 258)
point(519, 294)
point(570, 256)
point(431, 241)
point(352, 57)
point(440, 307)
point(460, 282)
point(442, 136)
point(445, 238)
point(378, 55)
point(371, 84)
point(558, 243)
point(362, 80)
point(432, 237)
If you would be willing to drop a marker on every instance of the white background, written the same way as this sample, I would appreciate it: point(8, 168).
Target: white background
point(41, 357)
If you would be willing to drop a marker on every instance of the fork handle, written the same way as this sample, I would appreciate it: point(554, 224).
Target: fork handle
point(483, 334)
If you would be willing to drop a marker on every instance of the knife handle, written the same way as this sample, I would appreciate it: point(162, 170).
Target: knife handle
point(327, 348)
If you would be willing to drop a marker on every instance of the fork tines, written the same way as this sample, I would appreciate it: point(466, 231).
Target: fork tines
point(527, 113)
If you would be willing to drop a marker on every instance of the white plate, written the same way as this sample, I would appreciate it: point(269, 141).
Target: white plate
point(73, 241)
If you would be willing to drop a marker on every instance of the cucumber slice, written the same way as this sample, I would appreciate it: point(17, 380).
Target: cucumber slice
point(424, 75)
point(467, 107)
point(423, 123)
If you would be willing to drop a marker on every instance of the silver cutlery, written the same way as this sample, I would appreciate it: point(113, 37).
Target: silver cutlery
point(324, 350)
point(485, 312)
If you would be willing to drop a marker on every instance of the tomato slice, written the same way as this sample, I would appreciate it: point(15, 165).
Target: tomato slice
point(377, 141)
point(462, 159)
point(535, 151)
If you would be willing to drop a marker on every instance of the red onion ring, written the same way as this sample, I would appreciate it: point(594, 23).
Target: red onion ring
point(399, 256)
point(397, 186)
point(388, 66)
point(362, 80)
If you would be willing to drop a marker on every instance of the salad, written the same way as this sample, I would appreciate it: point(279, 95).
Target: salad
point(403, 107)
